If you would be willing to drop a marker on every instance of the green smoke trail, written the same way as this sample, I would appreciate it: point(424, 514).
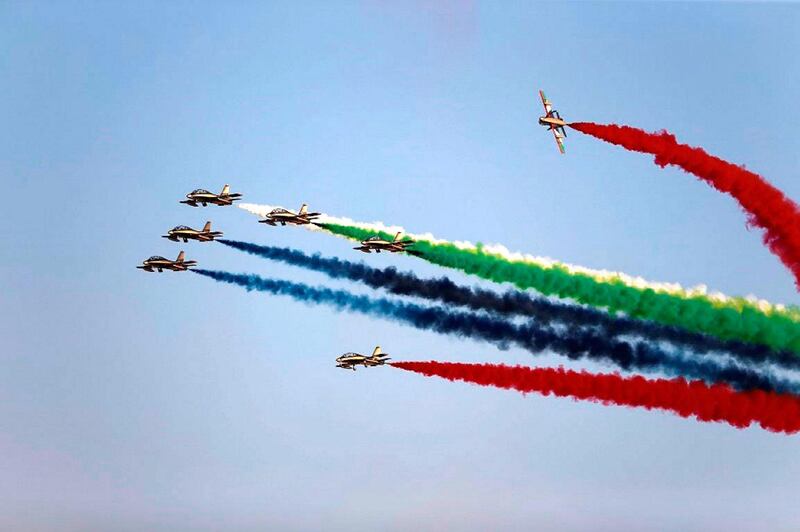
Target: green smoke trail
point(734, 319)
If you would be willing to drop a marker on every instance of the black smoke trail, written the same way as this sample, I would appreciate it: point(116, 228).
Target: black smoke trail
point(575, 343)
point(514, 302)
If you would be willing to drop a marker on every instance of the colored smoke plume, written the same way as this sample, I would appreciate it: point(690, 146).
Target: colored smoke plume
point(576, 343)
point(766, 206)
point(731, 319)
point(601, 276)
point(511, 302)
point(773, 412)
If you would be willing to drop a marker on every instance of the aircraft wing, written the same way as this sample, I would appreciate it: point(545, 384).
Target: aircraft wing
point(547, 106)
point(559, 141)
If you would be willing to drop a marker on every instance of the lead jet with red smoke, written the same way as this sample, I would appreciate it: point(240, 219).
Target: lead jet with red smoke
point(204, 197)
point(351, 360)
point(183, 232)
point(378, 244)
point(159, 263)
point(283, 216)
point(553, 121)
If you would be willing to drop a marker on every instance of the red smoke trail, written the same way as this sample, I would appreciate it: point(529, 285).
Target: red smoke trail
point(766, 206)
point(717, 402)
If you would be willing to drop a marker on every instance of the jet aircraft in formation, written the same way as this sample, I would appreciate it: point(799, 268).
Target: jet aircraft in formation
point(378, 244)
point(204, 197)
point(185, 233)
point(160, 263)
point(351, 360)
point(553, 121)
point(283, 216)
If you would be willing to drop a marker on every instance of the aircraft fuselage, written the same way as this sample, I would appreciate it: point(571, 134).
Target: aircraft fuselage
point(204, 197)
point(151, 266)
point(184, 235)
point(382, 245)
point(157, 262)
point(283, 219)
point(205, 200)
point(551, 122)
point(350, 361)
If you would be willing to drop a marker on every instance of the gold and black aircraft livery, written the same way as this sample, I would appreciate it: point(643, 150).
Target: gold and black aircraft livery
point(185, 233)
point(283, 216)
point(157, 263)
point(553, 121)
point(204, 197)
point(351, 360)
point(378, 244)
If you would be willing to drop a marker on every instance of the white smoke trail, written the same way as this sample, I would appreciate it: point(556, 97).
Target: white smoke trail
point(257, 209)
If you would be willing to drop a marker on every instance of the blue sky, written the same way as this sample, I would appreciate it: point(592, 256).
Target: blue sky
point(131, 401)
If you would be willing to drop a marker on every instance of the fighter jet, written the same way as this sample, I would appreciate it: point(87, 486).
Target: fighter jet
point(184, 233)
point(283, 216)
point(160, 263)
point(379, 244)
point(351, 360)
point(204, 197)
point(553, 121)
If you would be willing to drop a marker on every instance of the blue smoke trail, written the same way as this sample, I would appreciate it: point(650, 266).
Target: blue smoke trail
point(514, 302)
point(575, 343)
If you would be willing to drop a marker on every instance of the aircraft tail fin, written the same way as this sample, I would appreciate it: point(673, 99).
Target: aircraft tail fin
point(181, 255)
point(377, 351)
point(397, 236)
point(225, 190)
point(207, 227)
point(304, 209)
